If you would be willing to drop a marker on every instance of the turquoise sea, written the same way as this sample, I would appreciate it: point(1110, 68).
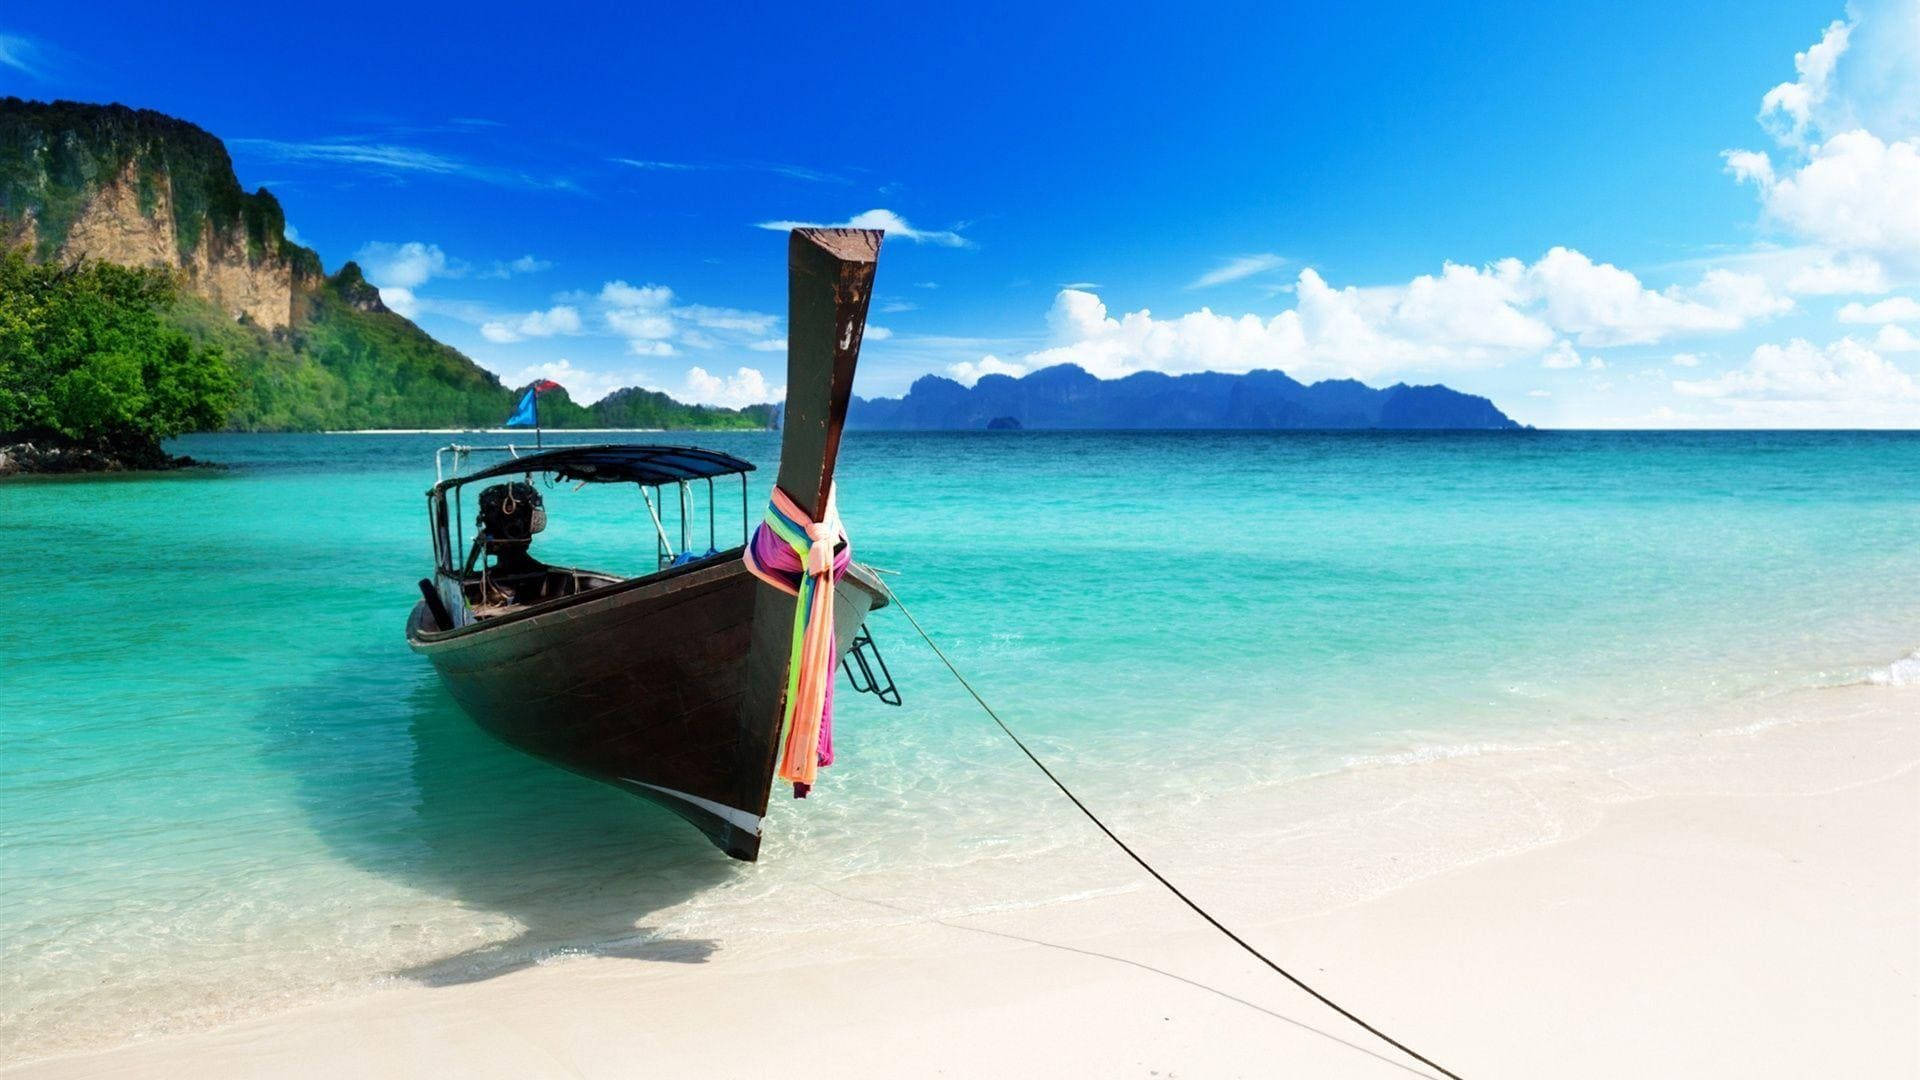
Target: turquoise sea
point(226, 784)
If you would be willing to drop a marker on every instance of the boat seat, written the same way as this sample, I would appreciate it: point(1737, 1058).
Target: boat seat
point(508, 592)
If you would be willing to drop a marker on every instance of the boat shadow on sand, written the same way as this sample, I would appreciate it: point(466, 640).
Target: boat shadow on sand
point(396, 780)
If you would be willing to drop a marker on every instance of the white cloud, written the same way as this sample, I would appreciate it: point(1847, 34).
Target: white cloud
point(778, 344)
point(1878, 87)
point(971, 371)
point(1540, 393)
point(401, 301)
point(1829, 275)
point(641, 315)
point(525, 264)
point(1798, 270)
point(1896, 339)
point(1735, 297)
point(1849, 179)
point(1748, 165)
point(640, 324)
point(659, 166)
point(1235, 269)
point(583, 386)
point(405, 266)
point(1787, 110)
point(1862, 73)
point(620, 294)
point(895, 306)
point(392, 158)
point(1601, 304)
point(876, 333)
point(796, 172)
point(1562, 355)
point(561, 319)
point(399, 271)
point(651, 320)
point(22, 55)
point(1855, 193)
point(1892, 309)
point(895, 225)
point(746, 386)
point(1799, 384)
point(1461, 318)
point(718, 318)
point(1685, 359)
point(389, 156)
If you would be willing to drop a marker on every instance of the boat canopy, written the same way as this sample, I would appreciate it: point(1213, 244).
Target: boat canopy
point(617, 463)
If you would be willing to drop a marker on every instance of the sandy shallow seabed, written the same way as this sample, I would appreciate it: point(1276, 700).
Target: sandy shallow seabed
point(1742, 901)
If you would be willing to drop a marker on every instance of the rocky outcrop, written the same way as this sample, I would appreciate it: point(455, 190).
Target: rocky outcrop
point(22, 233)
point(138, 188)
point(27, 458)
point(358, 293)
point(114, 227)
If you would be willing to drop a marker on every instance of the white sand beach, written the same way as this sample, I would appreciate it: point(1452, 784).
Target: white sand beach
point(1744, 904)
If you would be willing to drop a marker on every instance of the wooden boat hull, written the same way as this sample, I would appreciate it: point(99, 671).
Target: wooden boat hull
point(640, 685)
point(672, 686)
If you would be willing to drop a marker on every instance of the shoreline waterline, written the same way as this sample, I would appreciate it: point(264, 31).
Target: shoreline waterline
point(1813, 743)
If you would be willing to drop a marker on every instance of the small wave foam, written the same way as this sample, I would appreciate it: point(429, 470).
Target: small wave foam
point(1902, 672)
point(1422, 755)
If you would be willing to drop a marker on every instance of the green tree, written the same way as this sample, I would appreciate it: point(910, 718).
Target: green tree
point(89, 357)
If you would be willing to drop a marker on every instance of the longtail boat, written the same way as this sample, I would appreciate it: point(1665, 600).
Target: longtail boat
point(674, 684)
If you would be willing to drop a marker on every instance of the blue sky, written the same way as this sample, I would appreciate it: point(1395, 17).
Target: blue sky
point(1563, 207)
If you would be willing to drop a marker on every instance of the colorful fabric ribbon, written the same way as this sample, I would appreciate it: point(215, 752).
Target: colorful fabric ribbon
point(795, 554)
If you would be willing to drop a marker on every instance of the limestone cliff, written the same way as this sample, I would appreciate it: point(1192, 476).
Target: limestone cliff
point(108, 183)
point(135, 187)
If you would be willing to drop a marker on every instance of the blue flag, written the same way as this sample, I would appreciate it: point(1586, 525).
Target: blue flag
point(527, 413)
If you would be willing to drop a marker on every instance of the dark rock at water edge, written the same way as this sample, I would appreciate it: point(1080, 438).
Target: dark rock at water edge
point(51, 458)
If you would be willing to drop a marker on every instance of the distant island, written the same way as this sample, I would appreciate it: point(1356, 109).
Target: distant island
point(1067, 396)
point(148, 294)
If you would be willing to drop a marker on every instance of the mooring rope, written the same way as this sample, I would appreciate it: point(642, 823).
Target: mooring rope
point(1148, 867)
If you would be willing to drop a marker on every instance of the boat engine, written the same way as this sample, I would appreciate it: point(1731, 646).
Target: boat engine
point(509, 516)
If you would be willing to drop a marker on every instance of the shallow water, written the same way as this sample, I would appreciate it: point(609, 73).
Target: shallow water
point(227, 784)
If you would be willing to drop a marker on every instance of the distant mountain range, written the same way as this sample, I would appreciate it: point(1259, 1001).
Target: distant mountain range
point(1067, 396)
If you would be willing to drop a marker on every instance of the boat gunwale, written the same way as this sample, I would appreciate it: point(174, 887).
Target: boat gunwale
point(713, 565)
point(716, 567)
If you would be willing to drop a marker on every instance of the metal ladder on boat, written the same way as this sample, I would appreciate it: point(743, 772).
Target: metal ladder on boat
point(867, 672)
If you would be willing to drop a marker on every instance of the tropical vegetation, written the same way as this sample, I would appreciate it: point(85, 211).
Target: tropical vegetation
point(90, 358)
